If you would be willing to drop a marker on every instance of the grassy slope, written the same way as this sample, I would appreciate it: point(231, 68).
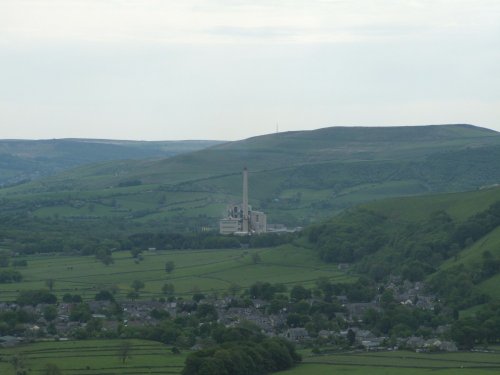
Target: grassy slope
point(283, 150)
point(27, 159)
point(459, 206)
point(473, 256)
point(208, 271)
point(296, 177)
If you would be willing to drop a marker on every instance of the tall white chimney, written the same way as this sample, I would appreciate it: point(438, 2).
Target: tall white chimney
point(245, 201)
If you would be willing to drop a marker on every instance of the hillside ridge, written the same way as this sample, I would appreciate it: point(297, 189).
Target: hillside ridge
point(25, 160)
point(296, 178)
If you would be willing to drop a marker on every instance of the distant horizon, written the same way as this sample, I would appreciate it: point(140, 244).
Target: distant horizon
point(219, 69)
point(252, 136)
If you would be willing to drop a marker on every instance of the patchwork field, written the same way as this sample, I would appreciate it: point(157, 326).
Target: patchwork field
point(392, 363)
point(103, 357)
point(94, 357)
point(206, 271)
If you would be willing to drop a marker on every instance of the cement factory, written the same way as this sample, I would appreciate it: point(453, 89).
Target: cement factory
point(241, 219)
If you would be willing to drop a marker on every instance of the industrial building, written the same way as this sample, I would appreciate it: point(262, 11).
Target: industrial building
point(241, 219)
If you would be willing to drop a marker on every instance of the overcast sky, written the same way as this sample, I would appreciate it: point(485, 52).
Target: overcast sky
point(230, 69)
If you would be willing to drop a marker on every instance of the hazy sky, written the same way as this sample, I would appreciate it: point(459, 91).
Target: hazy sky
point(230, 69)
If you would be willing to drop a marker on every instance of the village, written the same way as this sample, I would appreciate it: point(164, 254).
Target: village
point(340, 323)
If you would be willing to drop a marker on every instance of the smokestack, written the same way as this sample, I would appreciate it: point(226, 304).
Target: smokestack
point(245, 201)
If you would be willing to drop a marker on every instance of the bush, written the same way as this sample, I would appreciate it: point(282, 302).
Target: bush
point(35, 297)
point(10, 276)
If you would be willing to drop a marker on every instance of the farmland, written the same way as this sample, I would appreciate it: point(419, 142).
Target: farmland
point(389, 363)
point(392, 272)
point(329, 170)
point(95, 357)
point(205, 271)
point(92, 357)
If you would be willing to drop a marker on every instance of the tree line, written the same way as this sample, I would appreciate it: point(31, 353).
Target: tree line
point(242, 350)
point(381, 246)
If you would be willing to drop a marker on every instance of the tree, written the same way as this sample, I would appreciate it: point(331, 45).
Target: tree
point(124, 351)
point(175, 350)
point(18, 363)
point(72, 298)
point(20, 263)
point(243, 357)
point(135, 252)
point(197, 297)
point(94, 326)
point(50, 284)
point(132, 295)
point(10, 276)
point(137, 285)
point(298, 293)
point(351, 337)
point(168, 289)
point(34, 297)
point(80, 313)
point(4, 259)
point(104, 295)
point(104, 256)
point(387, 298)
point(465, 332)
point(297, 320)
point(207, 312)
point(256, 258)
point(169, 266)
point(263, 290)
point(50, 313)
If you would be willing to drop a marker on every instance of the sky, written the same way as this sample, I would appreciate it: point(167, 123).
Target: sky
point(232, 69)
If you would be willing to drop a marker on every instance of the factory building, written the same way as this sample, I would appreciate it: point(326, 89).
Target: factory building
point(241, 219)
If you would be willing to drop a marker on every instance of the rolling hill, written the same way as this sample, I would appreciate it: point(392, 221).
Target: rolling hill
point(451, 240)
point(24, 160)
point(295, 177)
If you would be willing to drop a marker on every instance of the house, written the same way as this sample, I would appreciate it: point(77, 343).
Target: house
point(324, 334)
point(448, 346)
point(363, 334)
point(435, 344)
point(372, 344)
point(415, 342)
point(99, 306)
point(297, 334)
point(356, 310)
point(9, 341)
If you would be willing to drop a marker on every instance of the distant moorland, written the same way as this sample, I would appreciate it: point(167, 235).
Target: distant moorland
point(25, 160)
point(295, 177)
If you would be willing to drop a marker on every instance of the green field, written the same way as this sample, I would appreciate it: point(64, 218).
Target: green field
point(207, 271)
point(94, 357)
point(393, 363)
point(458, 205)
point(100, 357)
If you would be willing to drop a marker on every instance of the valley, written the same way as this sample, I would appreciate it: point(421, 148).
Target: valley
point(396, 265)
point(24, 160)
